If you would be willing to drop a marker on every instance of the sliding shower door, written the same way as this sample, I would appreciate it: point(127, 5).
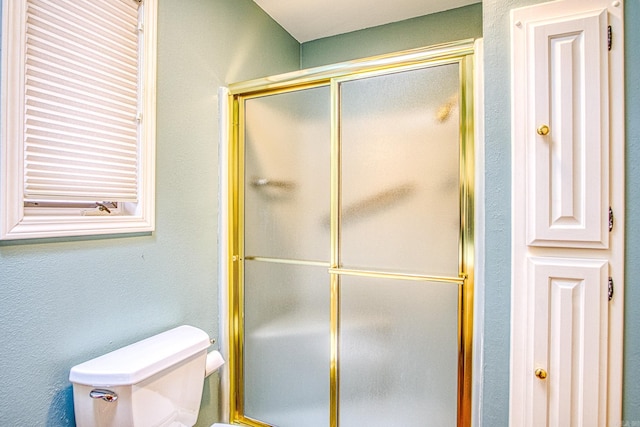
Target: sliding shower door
point(400, 216)
point(351, 246)
point(286, 256)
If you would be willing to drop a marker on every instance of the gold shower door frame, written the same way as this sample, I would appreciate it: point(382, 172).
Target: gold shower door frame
point(457, 52)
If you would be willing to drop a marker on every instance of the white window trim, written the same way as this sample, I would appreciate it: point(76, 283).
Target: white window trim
point(15, 222)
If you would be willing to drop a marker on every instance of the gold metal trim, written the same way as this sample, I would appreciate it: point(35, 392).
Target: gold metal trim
point(335, 220)
point(236, 293)
point(333, 75)
point(399, 276)
point(467, 181)
point(334, 364)
point(398, 69)
point(232, 265)
point(380, 62)
point(259, 92)
point(286, 261)
point(246, 421)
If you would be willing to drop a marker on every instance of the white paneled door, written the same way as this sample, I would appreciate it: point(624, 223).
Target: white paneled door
point(569, 332)
point(568, 214)
point(568, 151)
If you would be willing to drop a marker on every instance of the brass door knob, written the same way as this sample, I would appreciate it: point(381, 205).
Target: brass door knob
point(543, 130)
point(541, 373)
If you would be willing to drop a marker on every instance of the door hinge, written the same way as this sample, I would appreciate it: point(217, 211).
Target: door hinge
point(609, 36)
point(610, 219)
point(610, 289)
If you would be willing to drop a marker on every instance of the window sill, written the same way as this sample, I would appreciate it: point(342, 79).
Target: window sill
point(34, 227)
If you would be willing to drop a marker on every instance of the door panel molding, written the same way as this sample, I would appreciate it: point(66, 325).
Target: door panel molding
point(566, 177)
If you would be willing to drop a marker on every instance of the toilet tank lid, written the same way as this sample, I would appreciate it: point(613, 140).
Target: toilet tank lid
point(138, 361)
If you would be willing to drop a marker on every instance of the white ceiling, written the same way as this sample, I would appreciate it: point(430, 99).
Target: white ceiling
point(314, 19)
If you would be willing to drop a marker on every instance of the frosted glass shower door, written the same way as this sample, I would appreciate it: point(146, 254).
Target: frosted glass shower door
point(400, 174)
point(400, 231)
point(286, 246)
point(351, 271)
point(398, 353)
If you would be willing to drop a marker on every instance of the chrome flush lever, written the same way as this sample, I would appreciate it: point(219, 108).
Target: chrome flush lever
point(106, 395)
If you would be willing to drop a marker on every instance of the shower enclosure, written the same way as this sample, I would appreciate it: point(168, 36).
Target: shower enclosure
point(351, 243)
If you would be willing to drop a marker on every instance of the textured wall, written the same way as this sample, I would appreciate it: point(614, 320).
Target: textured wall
point(631, 402)
point(63, 302)
point(497, 297)
point(455, 24)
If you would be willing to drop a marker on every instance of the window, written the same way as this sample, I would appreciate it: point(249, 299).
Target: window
point(77, 147)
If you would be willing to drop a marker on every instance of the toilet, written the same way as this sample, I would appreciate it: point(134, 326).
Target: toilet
point(156, 382)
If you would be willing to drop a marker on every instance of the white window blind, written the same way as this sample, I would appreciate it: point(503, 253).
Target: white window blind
point(81, 129)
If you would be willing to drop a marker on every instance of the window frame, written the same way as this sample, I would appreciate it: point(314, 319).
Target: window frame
point(20, 222)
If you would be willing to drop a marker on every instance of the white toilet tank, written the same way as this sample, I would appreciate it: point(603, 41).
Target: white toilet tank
point(151, 383)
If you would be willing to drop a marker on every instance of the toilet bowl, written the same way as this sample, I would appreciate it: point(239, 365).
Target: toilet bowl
point(156, 382)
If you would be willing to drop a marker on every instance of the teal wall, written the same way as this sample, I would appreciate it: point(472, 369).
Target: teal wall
point(456, 24)
point(63, 302)
point(497, 297)
point(631, 405)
